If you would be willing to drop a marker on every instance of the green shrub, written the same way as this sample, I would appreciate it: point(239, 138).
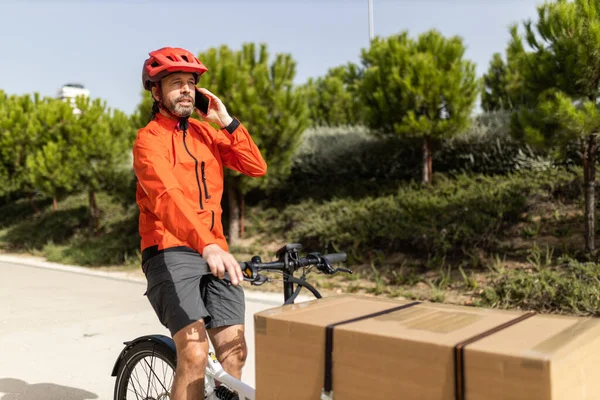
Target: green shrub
point(119, 244)
point(346, 162)
point(448, 218)
point(63, 236)
point(349, 162)
point(488, 148)
point(34, 232)
point(19, 209)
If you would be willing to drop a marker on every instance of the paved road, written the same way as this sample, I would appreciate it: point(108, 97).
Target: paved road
point(60, 331)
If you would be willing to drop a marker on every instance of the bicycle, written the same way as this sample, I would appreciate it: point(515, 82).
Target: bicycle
point(160, 349)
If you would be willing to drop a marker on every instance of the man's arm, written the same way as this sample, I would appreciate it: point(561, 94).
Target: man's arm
point(168, 203)
point(238, 150)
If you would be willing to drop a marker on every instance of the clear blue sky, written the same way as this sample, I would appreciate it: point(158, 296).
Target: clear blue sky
point(103, 43)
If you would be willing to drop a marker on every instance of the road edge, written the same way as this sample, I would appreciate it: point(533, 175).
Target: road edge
point(275, 299)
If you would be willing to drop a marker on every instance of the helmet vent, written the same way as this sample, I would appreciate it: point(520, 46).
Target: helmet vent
point(170, 58)
point(185, 58)
point(155, 64)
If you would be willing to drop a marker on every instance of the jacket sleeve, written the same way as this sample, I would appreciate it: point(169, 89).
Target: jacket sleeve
point(238, 150)
point(152, 168)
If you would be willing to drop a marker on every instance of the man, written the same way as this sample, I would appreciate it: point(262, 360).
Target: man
point(179, 167)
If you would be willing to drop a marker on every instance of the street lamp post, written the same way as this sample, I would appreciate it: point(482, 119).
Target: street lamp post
point(370, 20)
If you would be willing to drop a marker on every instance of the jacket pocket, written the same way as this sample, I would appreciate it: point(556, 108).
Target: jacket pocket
point(203, 167)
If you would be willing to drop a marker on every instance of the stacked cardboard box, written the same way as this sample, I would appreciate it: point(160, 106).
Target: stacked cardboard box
point(411, 350)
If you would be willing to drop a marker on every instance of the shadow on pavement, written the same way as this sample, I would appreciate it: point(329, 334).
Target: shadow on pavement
point(16, 389)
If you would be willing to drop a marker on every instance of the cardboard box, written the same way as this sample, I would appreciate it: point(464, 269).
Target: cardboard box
point(424, 351)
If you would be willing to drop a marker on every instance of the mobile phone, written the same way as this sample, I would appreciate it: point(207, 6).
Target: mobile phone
point(202, 102)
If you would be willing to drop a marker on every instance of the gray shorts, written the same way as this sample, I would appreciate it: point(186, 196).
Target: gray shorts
point(182, 290)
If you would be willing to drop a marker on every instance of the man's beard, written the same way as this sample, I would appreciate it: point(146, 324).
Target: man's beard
point(179, 109)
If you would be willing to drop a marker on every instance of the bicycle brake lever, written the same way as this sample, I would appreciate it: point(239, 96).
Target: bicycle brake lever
point(326, 267)
point(260, 280)
point(343, 270)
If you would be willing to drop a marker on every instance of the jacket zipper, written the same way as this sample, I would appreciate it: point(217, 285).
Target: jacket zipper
point(204, 182)
point(212, 221)
point(196, 169)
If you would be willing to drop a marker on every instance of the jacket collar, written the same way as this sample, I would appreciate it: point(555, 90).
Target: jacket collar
point(170, 124)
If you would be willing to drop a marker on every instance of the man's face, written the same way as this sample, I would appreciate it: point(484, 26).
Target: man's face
point(178, 93)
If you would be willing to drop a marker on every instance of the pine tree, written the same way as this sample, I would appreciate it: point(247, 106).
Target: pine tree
point(50, 164)
point(419, 88)
point(5, 153)
point(333, 99)
point(494, 95)
point(102, 139)
point(261, 94)
point(560, 79)
point(18, 136)
point(143, 112)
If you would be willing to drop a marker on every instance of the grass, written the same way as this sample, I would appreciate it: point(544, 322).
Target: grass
point(569, 287)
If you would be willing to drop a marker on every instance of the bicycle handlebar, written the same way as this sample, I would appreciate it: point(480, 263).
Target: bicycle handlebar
point(251, 269)
point(336, 257)
point(288, 262)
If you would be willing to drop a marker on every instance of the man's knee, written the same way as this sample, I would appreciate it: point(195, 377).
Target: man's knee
point(243, 353)
point(231, 348)
point(194, 356)
point(239, 354)
point(191, 343)
point(234, 361)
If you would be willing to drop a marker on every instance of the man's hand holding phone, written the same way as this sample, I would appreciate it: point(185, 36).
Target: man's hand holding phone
point(211, 108)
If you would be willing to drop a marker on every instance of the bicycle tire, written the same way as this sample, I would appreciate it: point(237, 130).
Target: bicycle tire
point(132, 359)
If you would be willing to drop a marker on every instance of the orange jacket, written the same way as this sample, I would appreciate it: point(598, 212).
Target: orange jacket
point(180, 181)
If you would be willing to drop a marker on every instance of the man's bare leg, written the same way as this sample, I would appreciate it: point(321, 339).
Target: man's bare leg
point(230, 348)
point(191, 343)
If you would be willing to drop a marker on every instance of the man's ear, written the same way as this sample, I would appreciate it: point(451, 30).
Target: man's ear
point(156, 93)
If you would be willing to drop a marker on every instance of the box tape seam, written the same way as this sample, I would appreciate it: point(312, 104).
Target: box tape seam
point(328, 381)
point(459, 352)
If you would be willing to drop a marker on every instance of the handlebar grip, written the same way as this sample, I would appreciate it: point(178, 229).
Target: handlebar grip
point(247, 271)
point(335, 257)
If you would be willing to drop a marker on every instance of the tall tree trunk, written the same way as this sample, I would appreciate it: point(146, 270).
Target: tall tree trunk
point(589, 179)
point(35, 209)
point(427, 161)
point(54, 204)
point(242, 214)
point(234, 211)
point(93, 209)
point(430, 161)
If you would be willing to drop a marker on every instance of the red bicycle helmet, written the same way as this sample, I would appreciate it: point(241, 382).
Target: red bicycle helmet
point(167, 60)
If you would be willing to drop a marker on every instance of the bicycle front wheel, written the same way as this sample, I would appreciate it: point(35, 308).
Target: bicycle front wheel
point(146, 373)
